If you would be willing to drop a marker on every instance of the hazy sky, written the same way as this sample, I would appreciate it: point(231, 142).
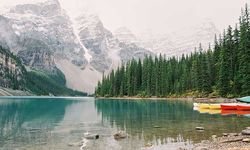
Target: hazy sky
point(155, 15)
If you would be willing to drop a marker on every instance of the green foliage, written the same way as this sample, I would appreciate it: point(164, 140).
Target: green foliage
point(244, 53)
point(223, 71)
point(142, 94)
point(41, 83)
point(37, 82)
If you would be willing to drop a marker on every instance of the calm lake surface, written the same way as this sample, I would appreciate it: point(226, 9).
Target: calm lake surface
point(53, 123)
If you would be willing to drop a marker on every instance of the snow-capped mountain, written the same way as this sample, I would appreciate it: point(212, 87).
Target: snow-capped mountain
point(180, 42)
point(95, 38)
point(125, 35)
point(46, 38)
point(40, 32)
point(105, 48)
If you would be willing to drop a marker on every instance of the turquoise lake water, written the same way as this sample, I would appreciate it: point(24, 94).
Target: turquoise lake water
point(52, 123)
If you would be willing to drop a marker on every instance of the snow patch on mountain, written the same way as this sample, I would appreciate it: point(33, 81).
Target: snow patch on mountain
point(40, 34)
point(123, 34)
point(179, 42)
point(76, 30)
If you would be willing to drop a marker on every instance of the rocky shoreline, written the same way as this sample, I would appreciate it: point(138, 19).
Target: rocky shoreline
point(227, 141)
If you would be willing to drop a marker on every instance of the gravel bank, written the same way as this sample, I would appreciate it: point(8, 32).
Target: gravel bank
point(227, 141)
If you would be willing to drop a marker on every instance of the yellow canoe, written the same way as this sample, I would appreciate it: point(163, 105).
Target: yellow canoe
point(204, 106)
point(203, 111)
point(214, 106)
point(214, 111)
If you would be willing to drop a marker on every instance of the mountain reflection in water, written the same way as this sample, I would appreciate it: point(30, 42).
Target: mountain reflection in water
point(53, 123)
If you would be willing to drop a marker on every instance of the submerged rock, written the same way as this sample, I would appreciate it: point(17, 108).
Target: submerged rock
point(120, 135)
point(200, 128)
point(91, 136)
point(233, 134)
point(80, 144)
point(245, 132)
point(201, 148)
point(225, 134)
point(75, 144)
point(246, 140)
point(148, 145)
point(214, 137)
point(157, 127)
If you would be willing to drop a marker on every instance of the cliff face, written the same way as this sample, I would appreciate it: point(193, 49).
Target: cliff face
point(106, 49)
point(11, 70)
point(39, 33)
point(38, 59)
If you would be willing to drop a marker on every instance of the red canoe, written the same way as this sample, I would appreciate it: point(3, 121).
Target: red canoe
point(244, 107)
point(229, 106)
point(228, 112)
point(240, 112)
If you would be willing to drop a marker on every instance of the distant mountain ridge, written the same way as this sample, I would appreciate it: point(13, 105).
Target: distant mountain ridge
point(175, 43)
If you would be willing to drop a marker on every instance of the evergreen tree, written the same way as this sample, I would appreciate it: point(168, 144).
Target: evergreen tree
point(223, 83)
point(244, 54)
point(226, 68)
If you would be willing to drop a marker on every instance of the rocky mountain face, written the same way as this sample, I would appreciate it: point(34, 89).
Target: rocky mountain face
point(47, 39)
point(39, 32)
point(105, 48)
point(125, 35)
point(96, 39)
point(176, 43)
point(11, 70)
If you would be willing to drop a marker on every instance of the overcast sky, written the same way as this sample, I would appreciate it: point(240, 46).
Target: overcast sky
point(155, 15)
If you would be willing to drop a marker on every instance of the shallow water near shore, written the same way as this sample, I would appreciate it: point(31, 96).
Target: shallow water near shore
point(34, 123)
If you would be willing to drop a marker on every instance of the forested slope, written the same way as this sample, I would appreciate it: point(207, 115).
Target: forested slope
point(223, 70)
point(13, 75)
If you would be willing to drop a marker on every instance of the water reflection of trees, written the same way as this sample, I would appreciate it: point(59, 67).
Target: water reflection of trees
point(24, 117)
point(164, 121)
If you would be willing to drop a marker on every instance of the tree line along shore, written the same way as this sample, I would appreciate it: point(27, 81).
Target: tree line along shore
point(220, 71)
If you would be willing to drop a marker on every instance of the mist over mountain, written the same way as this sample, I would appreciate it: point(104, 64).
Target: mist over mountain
point(46, 38)
point(175, 43)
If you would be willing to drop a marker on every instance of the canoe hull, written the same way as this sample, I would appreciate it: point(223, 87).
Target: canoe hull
point(243, 107)
point(244, 99)
point(243, 112)
point(228, 112)
point(203, 111)
point(215, 106)
point(228, 107)
point(214, 111)
point(204, 106)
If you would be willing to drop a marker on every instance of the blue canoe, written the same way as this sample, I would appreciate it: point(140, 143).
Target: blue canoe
point(244, 99)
